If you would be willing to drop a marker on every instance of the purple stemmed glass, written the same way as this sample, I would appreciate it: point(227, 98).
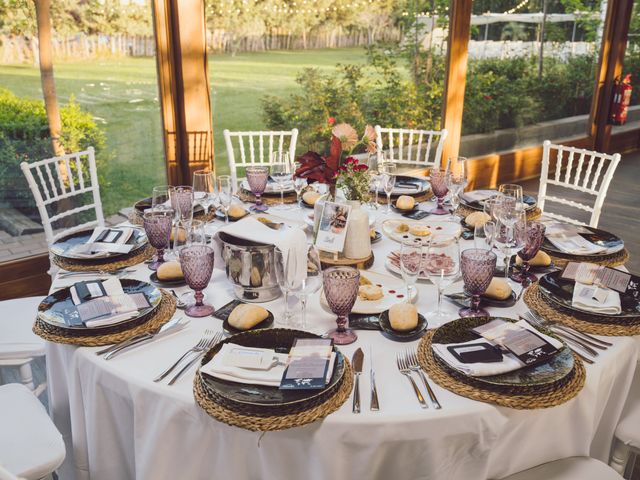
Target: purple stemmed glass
point(257, 178)
point(534, 238)
point(341, 290)
point(182, 202)
point(477, 266)
point(157, 225)
point(440, 190)
point(197, 266)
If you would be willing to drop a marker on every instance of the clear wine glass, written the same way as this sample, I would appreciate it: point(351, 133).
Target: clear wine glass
point(411, 265)
point(442, 266)
point(438, 180)
point(514, 191)
point(310, 284)
point(455, 183)
point(225, 194)
point(204, 189)
point(197, 266)
point(388, 181)
point(157, 225)
point(510, 238)
point(282, 173)
point(257, 177)
point(160, 197)
point(483, 235)
point(285, 266)
point(534, 238)
point(182, 202)
point(340, 286)
point(477, 266)
point(491, 205)
point(298, 186)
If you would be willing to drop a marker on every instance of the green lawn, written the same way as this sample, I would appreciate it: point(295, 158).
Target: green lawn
point(122, 94)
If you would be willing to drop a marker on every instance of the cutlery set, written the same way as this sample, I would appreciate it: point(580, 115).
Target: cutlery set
point(357, 362)
point(407, 362)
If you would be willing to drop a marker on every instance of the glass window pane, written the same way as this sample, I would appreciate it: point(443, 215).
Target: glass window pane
point(632, 67)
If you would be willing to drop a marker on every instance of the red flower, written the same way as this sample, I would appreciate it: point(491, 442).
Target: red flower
point(360, 168)
point(331, 121)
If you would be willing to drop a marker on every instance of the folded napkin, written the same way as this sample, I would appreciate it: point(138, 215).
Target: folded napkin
point(509, 361)
point(596, 299)
point(478, 195)
point(291, 241)
point(575, 245)
point(94, 249)
point(124, 307)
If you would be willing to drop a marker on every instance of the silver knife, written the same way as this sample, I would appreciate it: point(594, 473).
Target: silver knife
point(357, 360)
point(374, 405)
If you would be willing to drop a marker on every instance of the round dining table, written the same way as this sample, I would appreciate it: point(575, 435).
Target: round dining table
point(118, 424)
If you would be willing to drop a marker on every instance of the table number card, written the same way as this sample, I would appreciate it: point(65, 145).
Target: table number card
point(332, 228)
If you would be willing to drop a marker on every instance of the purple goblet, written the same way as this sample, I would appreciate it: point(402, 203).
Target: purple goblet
point(341, 290)
point(182, 202)
point(535, 237)
point(197, 266)
point(440, 190)
point(477, 266)
point(257, 177)
point(157, 225)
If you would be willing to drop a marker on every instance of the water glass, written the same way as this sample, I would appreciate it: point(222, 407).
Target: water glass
point(257, 177)
point(477, 266)
point(204, 188)
point(410, 265)
point(534, 238)
point(197, 267)
point(491, 206)
point(440, 189)
point(160, 197)
point(285, 266)
point(282, 173)
point(157, 225)
point(483, 235)
point(340, 286)
point(442, 266)
point(298, 186)
point(225, 194)
point(190, 233)
point(514, 191)
point(182, 202)
point(388, 181)
point(310, 283)
point(510, 238)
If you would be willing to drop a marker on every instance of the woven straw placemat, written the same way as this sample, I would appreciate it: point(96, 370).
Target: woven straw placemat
point(611, 260)
point(283, 422)
point(532, 214)
point(419, 197)
point(521, 402)
point(271, 199)
point(582, 322)
point(157, 318)
point(105, 264)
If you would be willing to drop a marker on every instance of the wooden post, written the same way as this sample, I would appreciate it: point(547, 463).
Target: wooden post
point(456, 75)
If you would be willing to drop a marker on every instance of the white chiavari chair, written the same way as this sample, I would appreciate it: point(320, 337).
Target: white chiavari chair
point(572, 468)
point(411, 147)
point(256, 148)
point(577, 170)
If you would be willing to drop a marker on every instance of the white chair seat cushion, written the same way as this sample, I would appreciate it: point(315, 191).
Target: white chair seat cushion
point(628, 430)
point(30, 445)
point(572, 468)
point(16, 320)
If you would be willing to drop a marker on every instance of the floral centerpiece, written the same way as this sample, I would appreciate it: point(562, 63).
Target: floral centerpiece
point(354, 180)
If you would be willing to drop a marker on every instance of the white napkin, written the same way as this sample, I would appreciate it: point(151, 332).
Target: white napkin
point(291, 241)
point(125, 306)
point(478, 195)
point(509, 361)
point(587, 297)
point(93, 249)
point(575, 245)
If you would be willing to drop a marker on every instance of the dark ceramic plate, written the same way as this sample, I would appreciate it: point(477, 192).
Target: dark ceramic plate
point(166, 283)
point(145, 204)
point(266, 323)
point(464, 300)
point(597, 237)
point(544, 374)
point(479, 204)
point(256, 396)
point(377, 238)
point(220, 215)
point(538, 269)
point(560, 292)
point(407, 336)
point(138, 239)
point(421, 184)
point(59, 305)
point(404, 210)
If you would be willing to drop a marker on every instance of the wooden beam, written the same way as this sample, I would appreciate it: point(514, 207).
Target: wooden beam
point(25, 277)
point(456, 75)
point(612, 49)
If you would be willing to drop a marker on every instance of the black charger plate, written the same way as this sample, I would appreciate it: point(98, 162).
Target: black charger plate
point(597, 237)
point(166, 283)
point(60, 248)
point(421, 183)
point(560, 292)
point(479, 204)
point(464, 300)
point(409, 335)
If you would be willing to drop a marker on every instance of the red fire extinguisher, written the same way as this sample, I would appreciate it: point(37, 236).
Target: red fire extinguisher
point(621, 99)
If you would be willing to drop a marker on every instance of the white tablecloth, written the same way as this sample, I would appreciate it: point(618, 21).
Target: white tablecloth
point(118, 424)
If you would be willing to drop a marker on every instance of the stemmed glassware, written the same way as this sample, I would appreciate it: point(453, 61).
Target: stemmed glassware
point(477, 266)
point(281, 172)
point(341, 290)
point(225, 194)
point(410, 265)
point(534, 237)
point(510, 234)
point(310, 283)
point(285, 266)
point(442, 265)
point(514, 191)
point(388, 181)
point(204, 188)
point(376, 178)
point(456, 181)
point(182, 203)
point(157, 225)
point(298, 186)
point(197, 267)
point(491, 205)
point(439, 187)
point(160, 197)
point(257, 177)
point(483, 235)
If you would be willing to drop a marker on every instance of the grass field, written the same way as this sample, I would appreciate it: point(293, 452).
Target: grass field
point(122, 95)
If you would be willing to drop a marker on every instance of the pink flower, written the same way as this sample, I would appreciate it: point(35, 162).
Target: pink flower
point(370, 134)
point(346, 134)
point(331, 121)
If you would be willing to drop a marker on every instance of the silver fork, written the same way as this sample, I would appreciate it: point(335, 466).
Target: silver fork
point(573, 345)
point(216, 338)
point(198, 347)
point(412, 363)
point(404, 370)
point(564, 334)
point(602, 344)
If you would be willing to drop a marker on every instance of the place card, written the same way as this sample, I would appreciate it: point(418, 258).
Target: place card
point(599, 275)
point(308, 364)
point(332, 228)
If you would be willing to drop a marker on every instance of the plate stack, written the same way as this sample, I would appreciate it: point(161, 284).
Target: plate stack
point(614, 255)
point(267, 408)
point(416, 187)
point(470, 204)
point(539, 386)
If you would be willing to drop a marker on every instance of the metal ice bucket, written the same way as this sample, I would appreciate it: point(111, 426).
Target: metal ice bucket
point(250, 267)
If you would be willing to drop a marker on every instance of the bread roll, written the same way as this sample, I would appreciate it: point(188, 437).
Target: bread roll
point(364, 280)
point(370, 292)
point(403, 317)
point(245, 316)
point(477, 218)
point(169, 271)
point(405, 202)
point(310, 197)
point(542, 259)
point(402, 227)
point(420, 230)
point(498, 289)
point(236, 211)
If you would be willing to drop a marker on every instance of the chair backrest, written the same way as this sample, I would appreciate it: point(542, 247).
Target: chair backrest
point(580, 170)
point(410, 146)
point(260, 146)
point(55, 181)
